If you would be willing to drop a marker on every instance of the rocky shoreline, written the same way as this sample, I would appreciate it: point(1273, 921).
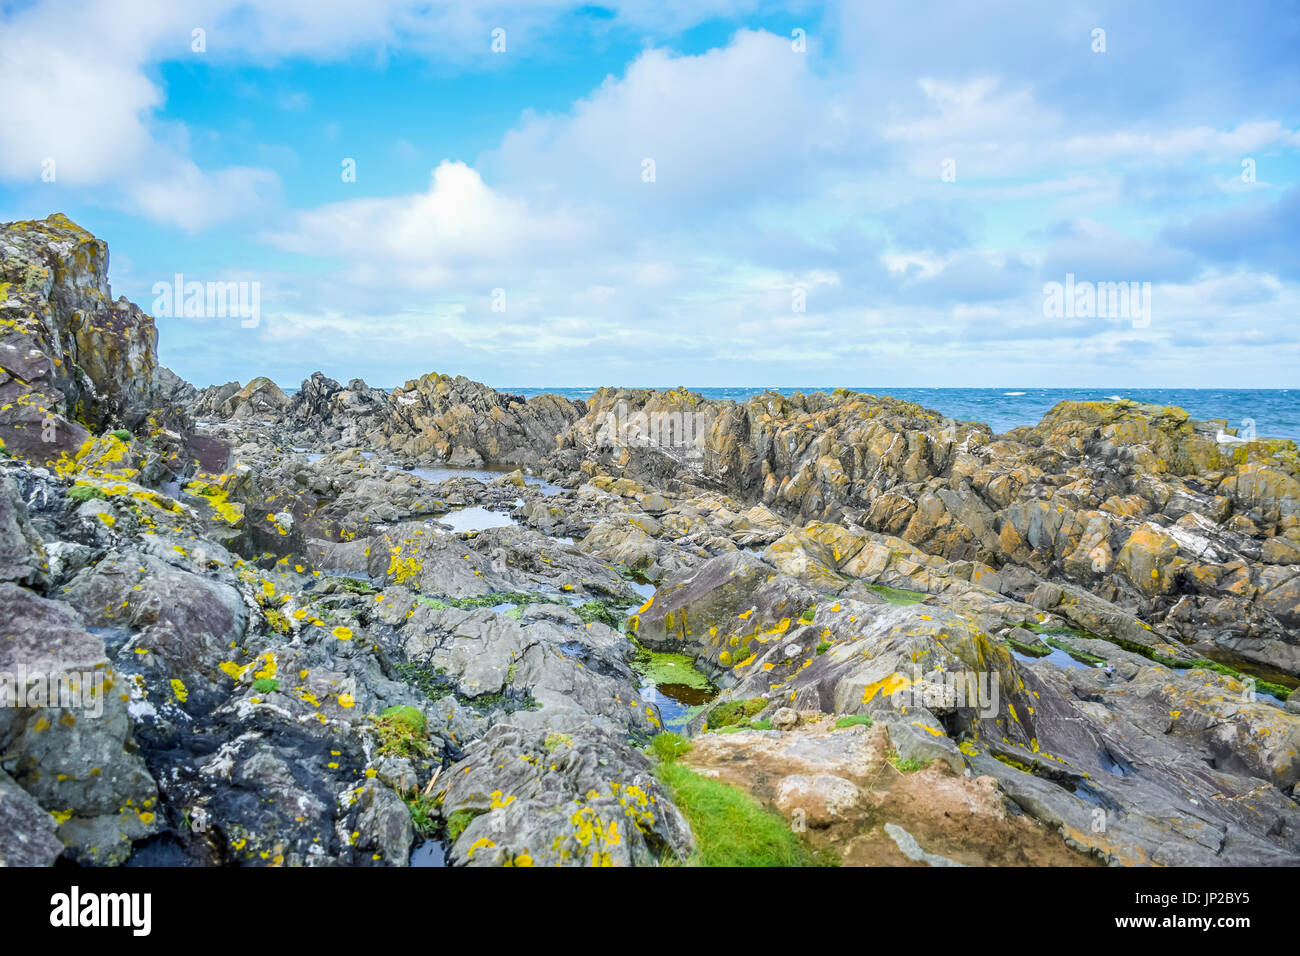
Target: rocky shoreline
point(334, 627)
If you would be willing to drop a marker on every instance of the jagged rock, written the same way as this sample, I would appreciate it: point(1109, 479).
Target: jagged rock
point(23, 559)
point(569, 797)
point(69, 355)
point(27, 832)
point(437, 416)
point(71, 749)
point(1135, 504)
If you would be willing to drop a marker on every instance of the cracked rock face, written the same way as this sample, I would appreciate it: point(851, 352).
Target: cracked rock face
point(537, 798)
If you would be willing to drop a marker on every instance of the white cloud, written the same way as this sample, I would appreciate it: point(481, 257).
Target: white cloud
point(457, 227)
point(182, 195)
point(736, 122)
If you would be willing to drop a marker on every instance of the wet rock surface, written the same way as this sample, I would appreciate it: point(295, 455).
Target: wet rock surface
point(323, 627)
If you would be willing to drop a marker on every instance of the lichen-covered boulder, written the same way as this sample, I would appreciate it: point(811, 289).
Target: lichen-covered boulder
point(570, 796)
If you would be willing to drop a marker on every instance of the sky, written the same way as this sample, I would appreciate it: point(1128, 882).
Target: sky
point(694, 192)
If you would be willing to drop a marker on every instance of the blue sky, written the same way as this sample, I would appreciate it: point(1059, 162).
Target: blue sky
point(780, 175)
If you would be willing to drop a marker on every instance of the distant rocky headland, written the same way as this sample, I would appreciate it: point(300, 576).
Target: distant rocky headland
point(444, 623)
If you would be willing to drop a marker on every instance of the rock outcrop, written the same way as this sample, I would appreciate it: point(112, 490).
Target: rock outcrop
point(1137, 505)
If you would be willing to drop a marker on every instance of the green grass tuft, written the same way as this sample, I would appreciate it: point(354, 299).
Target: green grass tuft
point(412, 717)
point(732, 828)
point(668, 746)
point(402, 732)
point(905, 764)
point(853, 720)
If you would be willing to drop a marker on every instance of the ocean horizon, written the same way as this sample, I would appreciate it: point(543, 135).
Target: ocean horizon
point(1273, 412)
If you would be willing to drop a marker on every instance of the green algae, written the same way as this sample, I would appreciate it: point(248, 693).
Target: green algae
point(663, 667)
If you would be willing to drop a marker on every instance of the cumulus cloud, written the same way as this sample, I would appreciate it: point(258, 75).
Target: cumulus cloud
point(737, 123)
point(457, 227)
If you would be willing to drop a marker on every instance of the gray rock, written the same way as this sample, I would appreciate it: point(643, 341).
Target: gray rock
point(912, 850)
point(566, 797)
point(27, 832)
point(785, 718)
point(22, 555)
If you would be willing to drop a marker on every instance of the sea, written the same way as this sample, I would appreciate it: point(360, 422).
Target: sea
point(1273, 412)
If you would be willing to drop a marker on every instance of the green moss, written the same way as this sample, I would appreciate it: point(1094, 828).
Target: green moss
point(402, 732)
point(823, 647)
point(266, 685)
point(83, 493)
point(899, 596)
point(761, 724)
point(905, 764)
point(732, 828)
point(733, 712)
point(853, 720)
point(808, 615)
point(1078, 655)
point(459, 820)
point(432, 682)
point(1030, 650)
point(668, 746)
point(357, 586)
point(412, 717)
point(600, 612)
point(121, 434)
point(510, 702)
